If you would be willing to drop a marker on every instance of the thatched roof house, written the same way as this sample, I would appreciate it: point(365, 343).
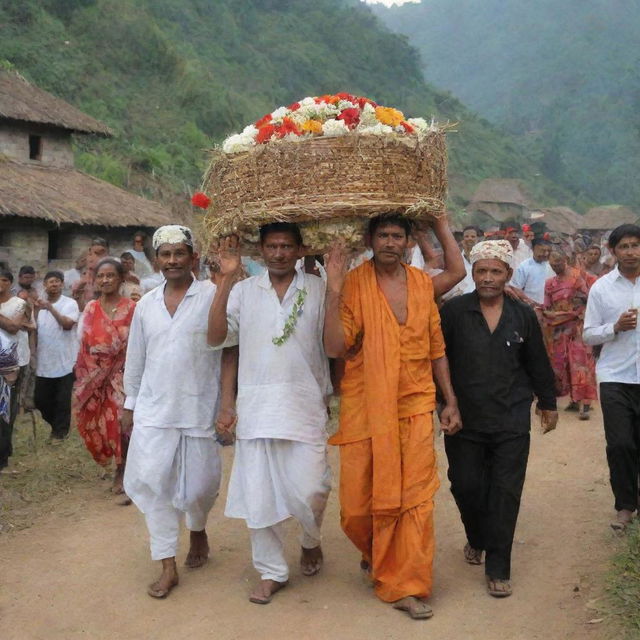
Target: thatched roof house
point(501, 199)
point(559, 219)
point(608, 217)
point(48, 209)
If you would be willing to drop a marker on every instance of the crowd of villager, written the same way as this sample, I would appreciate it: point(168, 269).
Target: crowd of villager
point(163, 354)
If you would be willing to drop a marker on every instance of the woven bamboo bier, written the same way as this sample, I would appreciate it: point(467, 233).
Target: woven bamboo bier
point(326, 182)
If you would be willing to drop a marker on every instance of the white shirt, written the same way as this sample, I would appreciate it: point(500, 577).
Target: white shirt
point(171, 377)
point(142, 264)
point(609, 297)
point(282, 389)
point(467, 285)
point(71, 276)
point(522, 252)
point(13, 308)
point(530, 276)
point(57, 348)
point(151, 282)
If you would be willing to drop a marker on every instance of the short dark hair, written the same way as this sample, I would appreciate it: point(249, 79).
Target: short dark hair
point(128, 255)
point(541, 240)
point(620, 232)
point(472, 227)
point(26, 269)
point(510, 224)
point(281, 227)
point(5, 273)
point(100, 242)
point(54, 274)
point(386, 219)
point(116, 264)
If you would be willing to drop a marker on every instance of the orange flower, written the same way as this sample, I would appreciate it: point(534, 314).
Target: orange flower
point(312, 126)
point(389, 116)
point(265, 133)
point(264, 120)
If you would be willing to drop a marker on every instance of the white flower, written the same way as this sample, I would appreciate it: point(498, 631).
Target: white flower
point(250, 130)
point(377, 130)
point(298, 116)
point(238, 143)
point(334, 128)
point(368, 116)
point(292, 137)
point(346, 104)
point(420, 125)
point(305, 102)
point(279, 114)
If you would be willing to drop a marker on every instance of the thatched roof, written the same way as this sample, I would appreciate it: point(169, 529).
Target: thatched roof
point(560, 219)
point(608, 217)
point(70, 196)
point(501, 191)
point(22, 101)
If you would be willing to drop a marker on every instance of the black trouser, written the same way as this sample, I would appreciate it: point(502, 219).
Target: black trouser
point(621, 412)
point(487, 474)
point(6, 428)
point(53, 400)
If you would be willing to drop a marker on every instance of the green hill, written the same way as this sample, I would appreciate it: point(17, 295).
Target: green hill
point(173, 76)
point(564, 76)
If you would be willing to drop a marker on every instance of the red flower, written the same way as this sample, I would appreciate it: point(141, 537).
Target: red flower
point(351, 117)
point(318, 100)
point(294, 107)
point(201, 200)
point(362, 101)
point(287, 126)
point(346, 96)
point(264, 120)
point(407, 127)
point(265, 133)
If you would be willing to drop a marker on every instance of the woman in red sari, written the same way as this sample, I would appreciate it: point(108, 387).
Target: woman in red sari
point(565, 301)
point(98, 395)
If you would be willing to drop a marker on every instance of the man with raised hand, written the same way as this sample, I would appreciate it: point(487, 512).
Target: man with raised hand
point(171, 382)
point(280, 467)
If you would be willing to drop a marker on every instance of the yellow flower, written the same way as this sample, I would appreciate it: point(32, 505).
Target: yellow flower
point(389, 116)
point(312, 126)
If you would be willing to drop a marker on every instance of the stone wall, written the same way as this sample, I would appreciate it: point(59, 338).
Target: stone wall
point(25, 244)
point(55, 144)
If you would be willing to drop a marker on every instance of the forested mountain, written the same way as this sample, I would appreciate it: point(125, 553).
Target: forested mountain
point(564, 76)
point(173, 76)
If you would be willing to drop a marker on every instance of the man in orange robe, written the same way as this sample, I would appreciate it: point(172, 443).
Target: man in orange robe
point(383, 319)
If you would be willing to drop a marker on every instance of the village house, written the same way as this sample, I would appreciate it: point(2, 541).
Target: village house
point(49, 211)
point(498, 200)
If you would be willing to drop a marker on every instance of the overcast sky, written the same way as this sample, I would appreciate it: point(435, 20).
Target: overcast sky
point(389, 2)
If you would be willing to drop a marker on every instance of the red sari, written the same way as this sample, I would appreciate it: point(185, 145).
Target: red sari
point(98, 395)
point(572, 360)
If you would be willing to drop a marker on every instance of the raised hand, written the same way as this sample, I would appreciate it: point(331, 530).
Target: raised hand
point(229, 256)
point(335, 264)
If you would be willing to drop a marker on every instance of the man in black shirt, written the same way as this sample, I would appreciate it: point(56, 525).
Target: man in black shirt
point(498, 361)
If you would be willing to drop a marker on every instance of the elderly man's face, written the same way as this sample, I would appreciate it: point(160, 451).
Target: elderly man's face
point(541, 252)
point(490, 277)
point(592, 256)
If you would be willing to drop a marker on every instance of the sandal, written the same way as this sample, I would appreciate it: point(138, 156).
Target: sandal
point(416, 608)
point(155, 592)
point(471, 555)
point(493, 590)
point(275, 587)
point(311, 568)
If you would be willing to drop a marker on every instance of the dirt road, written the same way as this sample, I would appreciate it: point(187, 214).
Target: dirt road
point(81, 571)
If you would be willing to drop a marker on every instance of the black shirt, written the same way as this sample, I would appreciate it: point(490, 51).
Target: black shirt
point(495, 375)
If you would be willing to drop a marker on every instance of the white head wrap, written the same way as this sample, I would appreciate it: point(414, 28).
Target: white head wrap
point(492, 250)
point(172, 234)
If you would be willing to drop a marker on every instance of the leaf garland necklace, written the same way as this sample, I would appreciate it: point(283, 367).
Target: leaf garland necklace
point(292, 320)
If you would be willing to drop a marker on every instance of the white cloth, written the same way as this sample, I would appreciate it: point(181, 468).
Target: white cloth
point(282, 389)
point(151, 282)
point(170, 472)
point(71, 276)
point(416, 258)
point(467, 285)
point(609, 297)
point(171, 377)
point(57, 348)
point(530, 276)
point(14, 309)
point(142, 267)
point(267, 551)
point(522, 252)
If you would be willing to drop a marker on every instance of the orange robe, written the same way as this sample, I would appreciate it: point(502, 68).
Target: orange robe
point(388, 474)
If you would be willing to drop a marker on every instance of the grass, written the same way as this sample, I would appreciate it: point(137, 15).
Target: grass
point(623, 583)
point(44, 473)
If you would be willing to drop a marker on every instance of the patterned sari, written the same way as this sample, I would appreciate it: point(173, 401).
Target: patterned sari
point(98, 391)
point(565, 301)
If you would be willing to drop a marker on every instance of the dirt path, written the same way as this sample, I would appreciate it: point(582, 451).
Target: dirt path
point(81, 572)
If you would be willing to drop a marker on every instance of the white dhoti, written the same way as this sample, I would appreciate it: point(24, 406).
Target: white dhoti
point(170, 472)
point(273, 480)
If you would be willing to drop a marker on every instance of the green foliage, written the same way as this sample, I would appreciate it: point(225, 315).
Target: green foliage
point(562, 76)
point(171, 77)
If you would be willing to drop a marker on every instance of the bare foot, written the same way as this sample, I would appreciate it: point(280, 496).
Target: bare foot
point(471, 555)
point(168, 579)
point(198, 550)
point(265, 591)
point(417, 608)
point(311, 561)
point(367, 573)
point(118, 481)
point(623, 519)
point(498, 588)
point(124, 500)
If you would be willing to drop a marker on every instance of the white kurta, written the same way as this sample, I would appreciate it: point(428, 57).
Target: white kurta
point(172, 382)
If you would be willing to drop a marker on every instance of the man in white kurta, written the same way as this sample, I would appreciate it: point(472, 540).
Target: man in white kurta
point(280, 468)
point(171, 382)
